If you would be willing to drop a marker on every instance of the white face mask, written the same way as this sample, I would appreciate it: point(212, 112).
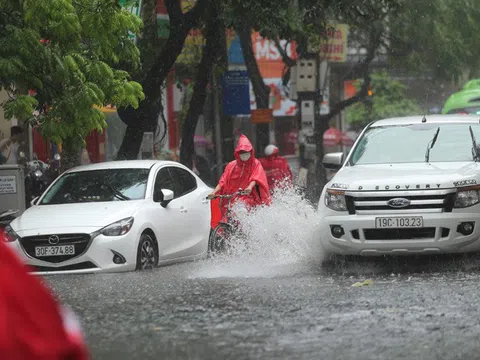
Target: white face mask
point(245, 156)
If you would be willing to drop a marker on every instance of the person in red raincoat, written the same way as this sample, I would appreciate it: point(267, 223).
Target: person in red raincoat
point(32, 325)
point(276, 167)
point(246, 173)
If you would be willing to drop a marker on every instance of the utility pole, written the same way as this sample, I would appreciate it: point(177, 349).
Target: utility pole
point(309, 99)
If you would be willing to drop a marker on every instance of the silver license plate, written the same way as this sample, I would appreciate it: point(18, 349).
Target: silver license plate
point(60, 250)
point(399, 222)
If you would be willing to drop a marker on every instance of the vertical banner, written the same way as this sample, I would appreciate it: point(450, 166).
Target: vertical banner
point(236, 93)
point(334, 43)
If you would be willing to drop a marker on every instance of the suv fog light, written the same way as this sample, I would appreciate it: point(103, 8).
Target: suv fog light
point(118, 258)
point(466, 228)
point(337, 231)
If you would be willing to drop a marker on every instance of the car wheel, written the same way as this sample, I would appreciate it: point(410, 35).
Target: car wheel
point(147, 254)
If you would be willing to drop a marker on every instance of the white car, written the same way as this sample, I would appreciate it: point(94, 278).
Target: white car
point(115, 216)
point(409, 185)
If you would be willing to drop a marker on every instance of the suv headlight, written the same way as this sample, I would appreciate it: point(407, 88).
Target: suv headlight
point(9, 234)
point(466, 197)
point(118, 228)
point(335, 200)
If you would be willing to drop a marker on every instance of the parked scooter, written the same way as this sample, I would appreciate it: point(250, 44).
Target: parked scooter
point(39, 176)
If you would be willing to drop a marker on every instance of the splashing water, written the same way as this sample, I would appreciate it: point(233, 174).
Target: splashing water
point(277, 239)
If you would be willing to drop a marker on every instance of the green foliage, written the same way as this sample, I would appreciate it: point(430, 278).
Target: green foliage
point(69, 52)
point(437, 35)
point(389, 99)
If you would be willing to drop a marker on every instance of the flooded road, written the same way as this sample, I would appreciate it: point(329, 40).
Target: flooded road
point(422, 309)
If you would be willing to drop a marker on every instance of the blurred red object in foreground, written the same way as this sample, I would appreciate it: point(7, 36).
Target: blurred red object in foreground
point(32, 325)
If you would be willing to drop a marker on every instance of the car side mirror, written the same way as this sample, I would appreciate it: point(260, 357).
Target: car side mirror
point(34, 201)
point(163, 196)
point(333, 161)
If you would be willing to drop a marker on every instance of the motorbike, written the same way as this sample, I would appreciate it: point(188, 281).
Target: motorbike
point(38, 176)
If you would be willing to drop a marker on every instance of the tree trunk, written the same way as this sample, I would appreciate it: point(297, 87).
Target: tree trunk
point(197, 102)
point(317, 173)
point(71, 154)
point(145, 118)
point(261, 91)
point(226, 125)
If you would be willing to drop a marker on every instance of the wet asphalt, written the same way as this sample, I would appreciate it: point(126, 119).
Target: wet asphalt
point(425, 308)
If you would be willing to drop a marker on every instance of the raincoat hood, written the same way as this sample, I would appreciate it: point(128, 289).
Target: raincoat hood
point(244, 145)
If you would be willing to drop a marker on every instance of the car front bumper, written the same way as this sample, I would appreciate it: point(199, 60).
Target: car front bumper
point(438, 235)
point(97, 257)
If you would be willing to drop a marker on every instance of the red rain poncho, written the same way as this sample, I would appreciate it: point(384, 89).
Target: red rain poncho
point(276, 168)
point(239, 174)
point(32, 325)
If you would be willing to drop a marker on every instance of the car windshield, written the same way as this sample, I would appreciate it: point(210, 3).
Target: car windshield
point(98, 186)
point(409, 144)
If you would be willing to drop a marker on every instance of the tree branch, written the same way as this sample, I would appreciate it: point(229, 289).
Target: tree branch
point(364, 69)
point(283, 53)
point(180, 25)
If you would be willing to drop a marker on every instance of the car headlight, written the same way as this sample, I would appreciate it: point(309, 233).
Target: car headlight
point(467, 197)
point(117, 228)
point(335, 200)
point(9, 234)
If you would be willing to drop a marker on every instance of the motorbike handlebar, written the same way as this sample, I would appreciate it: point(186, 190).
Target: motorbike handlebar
point(227, 196)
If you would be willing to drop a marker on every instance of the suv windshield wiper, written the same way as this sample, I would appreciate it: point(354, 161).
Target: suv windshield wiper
point(114, 191)
point(431, 144)
point(476, 150)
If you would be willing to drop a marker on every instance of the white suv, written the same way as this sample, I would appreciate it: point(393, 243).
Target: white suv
point(409, 185)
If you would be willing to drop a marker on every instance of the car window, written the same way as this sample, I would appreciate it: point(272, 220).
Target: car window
point(185, 181)
point(164, 181)
point(98, 186)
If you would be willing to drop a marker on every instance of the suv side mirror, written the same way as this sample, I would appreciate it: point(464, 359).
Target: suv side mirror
point(333, 161)
point(163, 196)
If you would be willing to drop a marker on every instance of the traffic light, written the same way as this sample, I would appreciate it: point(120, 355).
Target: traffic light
point(370, 92)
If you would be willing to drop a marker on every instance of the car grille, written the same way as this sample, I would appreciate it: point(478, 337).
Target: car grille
point(399, 234)
point(80, 266)
point(421, 201)
point(80, 241)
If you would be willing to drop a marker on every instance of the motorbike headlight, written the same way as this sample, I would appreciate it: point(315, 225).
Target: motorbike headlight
point(335, 200)
point(38, 173)
point(467, 197)
point(118, 228)
point(9, 234)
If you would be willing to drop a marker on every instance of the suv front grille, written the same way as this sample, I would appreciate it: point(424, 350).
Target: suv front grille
point(421, 201)
point(80, 241)
point(399, 234)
